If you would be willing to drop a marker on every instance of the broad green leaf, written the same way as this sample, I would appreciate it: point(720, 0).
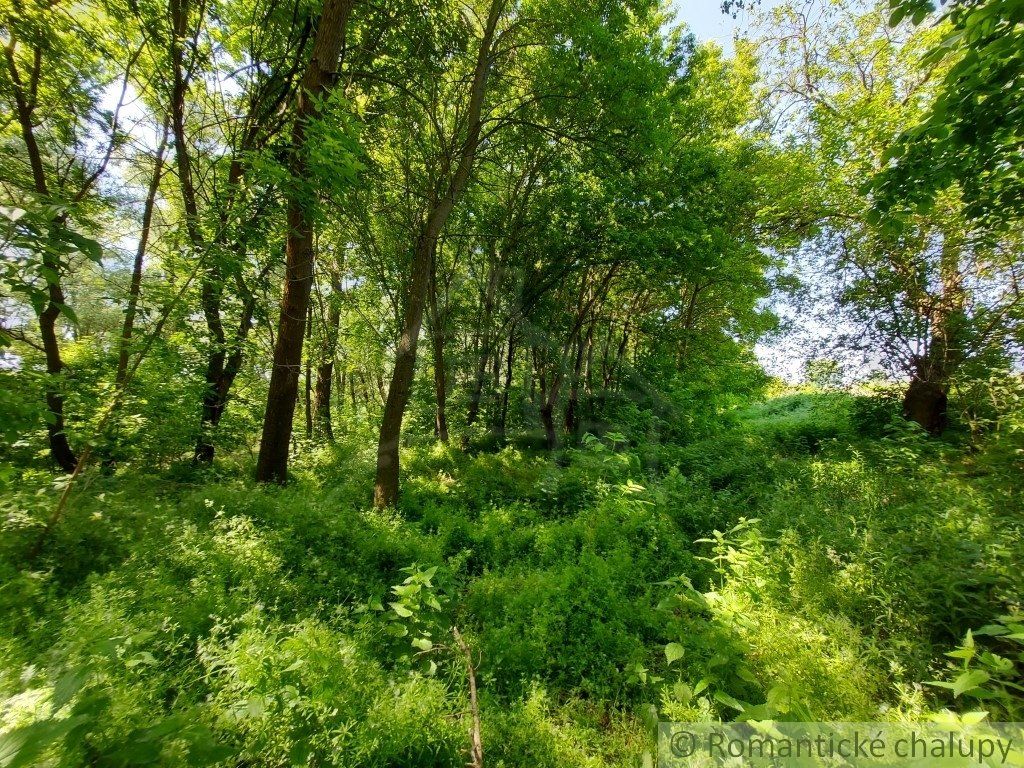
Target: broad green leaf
point(674, 652)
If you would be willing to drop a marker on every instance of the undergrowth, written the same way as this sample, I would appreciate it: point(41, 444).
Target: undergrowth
point(802, 564)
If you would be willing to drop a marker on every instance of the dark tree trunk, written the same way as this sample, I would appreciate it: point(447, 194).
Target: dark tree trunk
point(309, 399)
point(440, 385)
point(927, 397)
point(925, 403)
point(308, 394)
point(533, 376)
point(60, 448)
point(364, 390)
point(499, 355)
point(509, 367)
point(588, 373)
point(322, 399)
point(272, 464)
point(484, 347)
point(572, 407)
point(547, 418)
point(549, 391)
point(437, 337)
point(325, 370)
point(548, 399)
point(385, 490)
point(224, 356)
point(606, 368)
point(620, 355)
point(214, 374)
point(340, 380)
point(211, 282)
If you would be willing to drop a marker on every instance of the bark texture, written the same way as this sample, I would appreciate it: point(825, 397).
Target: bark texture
point(385, 489)
point(272, 464)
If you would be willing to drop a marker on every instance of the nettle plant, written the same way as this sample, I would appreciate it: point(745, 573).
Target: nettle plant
point(706, 675)
point(414, 615)
point(417, 614)
point(995, 680)
point(707, 670)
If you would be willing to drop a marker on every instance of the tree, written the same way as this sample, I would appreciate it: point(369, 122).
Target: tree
point(53, 75)
point(225, 216)
point(928, 289)
point(447, 189)
point(971, 134)
point(314, 91)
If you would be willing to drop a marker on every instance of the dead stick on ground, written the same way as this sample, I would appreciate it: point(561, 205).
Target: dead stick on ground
point(476, 753)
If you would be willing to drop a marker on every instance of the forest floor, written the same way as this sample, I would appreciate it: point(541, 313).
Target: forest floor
point(800, 564)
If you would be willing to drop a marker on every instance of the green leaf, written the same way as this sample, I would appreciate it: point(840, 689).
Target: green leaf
point(88, 247)
point(401, 610)
point(674, 652)
point(67, 686)
point(22, 746)
point(423, 643)
point(69, 313)
point(729, 701)
point(968, 681)
point(682, 692)
point(897, 16)
point(143, 657)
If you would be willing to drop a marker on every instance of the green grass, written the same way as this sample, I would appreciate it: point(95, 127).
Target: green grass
point(180, 619)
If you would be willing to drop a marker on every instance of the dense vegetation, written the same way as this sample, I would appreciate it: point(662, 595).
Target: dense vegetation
point(379, 381)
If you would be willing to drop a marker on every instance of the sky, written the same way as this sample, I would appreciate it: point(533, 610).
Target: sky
point(706, 20)
point(783, 356)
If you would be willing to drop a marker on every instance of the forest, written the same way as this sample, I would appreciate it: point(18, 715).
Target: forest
point(482, 382)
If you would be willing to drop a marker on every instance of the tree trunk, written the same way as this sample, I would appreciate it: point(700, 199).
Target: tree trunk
point(214, 374)
point(547, 418)
point(272, 464)
point(548, 399)
point(135, 286)
point(926, 399)
point(322, 399)
point(509, 366)
point(364, 390)
point(60, 448)
point(211, 280)
point(325, 371)
point(224, 358)
point(619, 357)
point(484, 348)
point(925, 403)
point(309, 399)
point(572, 407)
point(436, 327)
point(588, 371)
point(385, 491)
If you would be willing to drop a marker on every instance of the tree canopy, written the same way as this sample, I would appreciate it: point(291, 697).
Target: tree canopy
point(502, 363)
